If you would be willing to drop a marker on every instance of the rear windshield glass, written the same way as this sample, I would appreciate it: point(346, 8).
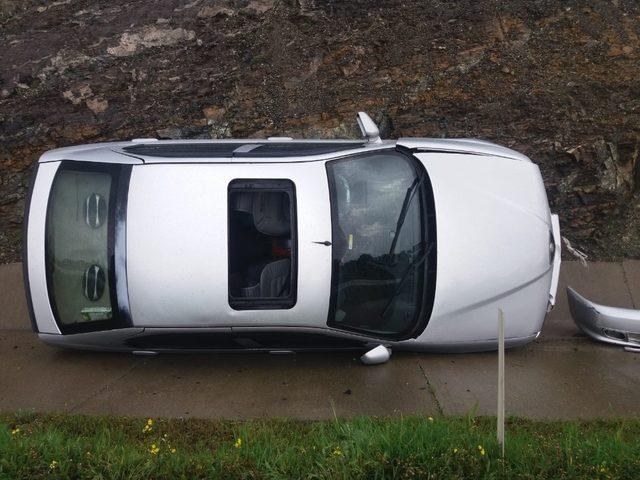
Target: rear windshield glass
point(78, 223)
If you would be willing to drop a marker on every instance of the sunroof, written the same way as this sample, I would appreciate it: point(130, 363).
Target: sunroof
point(245, 150)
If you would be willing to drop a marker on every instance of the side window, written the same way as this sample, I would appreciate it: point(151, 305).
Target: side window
point(262, 244)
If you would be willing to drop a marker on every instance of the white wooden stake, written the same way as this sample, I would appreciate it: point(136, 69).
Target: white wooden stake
point(500, 426)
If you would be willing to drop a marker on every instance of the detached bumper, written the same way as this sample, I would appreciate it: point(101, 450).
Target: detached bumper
point(620, 326)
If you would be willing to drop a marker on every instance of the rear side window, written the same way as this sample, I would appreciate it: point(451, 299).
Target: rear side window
point(80, 245)
point(262, 244)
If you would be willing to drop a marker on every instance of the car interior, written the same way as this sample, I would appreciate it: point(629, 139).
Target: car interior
point(261, 245)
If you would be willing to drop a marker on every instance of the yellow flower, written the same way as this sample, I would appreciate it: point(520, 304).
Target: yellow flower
point(148, 426)
point(455, 450)
point(53, 465)
point(15, 431)
point(154, 449)
point(238, 443)
point(337, 452)
point(173, 450)
point(430, 419)
point(481, 449)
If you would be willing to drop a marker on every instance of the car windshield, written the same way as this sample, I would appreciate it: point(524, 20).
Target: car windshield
point(84, 248)
point(380, 245)
point(78, 222)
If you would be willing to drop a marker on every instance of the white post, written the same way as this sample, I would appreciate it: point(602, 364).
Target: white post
point(501, 380)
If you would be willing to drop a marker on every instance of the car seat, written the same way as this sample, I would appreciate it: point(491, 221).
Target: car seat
point(270, 280)
point(269, 211)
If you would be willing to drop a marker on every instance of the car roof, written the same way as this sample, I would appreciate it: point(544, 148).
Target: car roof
point(273, 149)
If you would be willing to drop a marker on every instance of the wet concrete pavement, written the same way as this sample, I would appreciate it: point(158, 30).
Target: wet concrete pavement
point(561, 375)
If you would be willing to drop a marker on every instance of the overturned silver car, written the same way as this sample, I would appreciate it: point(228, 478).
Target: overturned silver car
point(283, 245)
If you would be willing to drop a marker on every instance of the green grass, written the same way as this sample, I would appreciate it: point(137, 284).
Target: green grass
point(68, 446)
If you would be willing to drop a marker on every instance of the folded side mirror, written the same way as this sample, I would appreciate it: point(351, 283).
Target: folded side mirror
point(368, 128)
point(376, 356)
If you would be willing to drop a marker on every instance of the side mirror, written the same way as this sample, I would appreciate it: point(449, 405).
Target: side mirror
point(376, 356)
point(368, 128)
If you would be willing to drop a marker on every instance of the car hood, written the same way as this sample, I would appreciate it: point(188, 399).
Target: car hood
point(493, 224)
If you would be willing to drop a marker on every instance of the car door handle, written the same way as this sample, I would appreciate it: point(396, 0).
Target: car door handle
point(326, 243)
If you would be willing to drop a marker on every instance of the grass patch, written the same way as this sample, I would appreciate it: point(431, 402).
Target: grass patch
point(72, 446)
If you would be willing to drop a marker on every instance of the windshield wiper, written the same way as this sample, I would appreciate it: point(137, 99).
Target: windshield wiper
point(405, 208)
point(414, 263)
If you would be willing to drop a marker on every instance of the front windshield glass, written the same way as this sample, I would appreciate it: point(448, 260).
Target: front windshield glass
point(380, 249)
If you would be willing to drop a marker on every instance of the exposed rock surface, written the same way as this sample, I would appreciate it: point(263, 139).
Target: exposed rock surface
point(559, 81)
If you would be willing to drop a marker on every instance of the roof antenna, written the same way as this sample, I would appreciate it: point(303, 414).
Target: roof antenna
point(368, 128)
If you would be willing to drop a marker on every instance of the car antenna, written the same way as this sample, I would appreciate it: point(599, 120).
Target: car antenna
point(368, 128)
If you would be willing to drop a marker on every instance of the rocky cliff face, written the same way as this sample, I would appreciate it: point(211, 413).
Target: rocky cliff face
point(559, 81)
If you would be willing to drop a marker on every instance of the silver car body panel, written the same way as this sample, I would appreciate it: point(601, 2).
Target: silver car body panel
point(462, 145)
point(97, 153)
point(238, 156)
point(177, 245)
point(114, 152)
point(106, 340)
point(116, 340)
point(557, 258)
point(493, 225)
point(483, 345)
point(619, 326)
point(35, 246)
